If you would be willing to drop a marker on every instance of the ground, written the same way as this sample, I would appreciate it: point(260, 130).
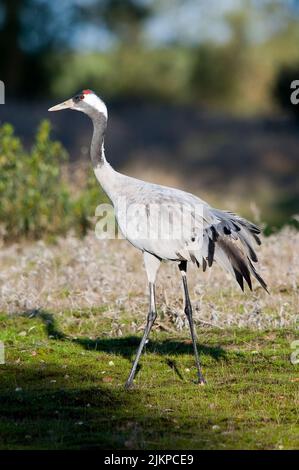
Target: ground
point(64, 390)
point(72, 316)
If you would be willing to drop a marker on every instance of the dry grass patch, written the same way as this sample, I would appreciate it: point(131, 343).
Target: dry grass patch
point(107, 278)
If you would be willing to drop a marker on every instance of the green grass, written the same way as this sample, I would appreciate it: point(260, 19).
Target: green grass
point(62, 389)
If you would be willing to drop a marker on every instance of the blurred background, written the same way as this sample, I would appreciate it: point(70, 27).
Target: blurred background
point(198, 93)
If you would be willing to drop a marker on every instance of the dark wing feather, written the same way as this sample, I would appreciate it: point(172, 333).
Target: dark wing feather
point(230, 243)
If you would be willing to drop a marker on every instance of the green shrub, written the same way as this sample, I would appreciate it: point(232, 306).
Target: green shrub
point(34, 199)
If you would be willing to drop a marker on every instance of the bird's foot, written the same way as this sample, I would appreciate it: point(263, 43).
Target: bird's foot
point(129, 384)
point(201, 380)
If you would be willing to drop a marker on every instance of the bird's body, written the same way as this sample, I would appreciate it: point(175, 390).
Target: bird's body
point(168, 224)
point(154, 206)
point(153, 203)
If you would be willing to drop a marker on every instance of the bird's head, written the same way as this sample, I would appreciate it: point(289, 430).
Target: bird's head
point(86, 101)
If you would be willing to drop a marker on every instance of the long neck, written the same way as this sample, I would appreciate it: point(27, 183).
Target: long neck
point(105, 174)
point(97, 152)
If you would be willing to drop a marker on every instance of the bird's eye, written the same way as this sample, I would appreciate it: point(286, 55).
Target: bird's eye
point(79, 98)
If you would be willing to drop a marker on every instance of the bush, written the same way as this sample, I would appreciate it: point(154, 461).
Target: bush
point(36, 201)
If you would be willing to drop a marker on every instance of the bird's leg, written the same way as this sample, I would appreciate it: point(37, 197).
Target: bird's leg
point(152, 264)
point(152, 314)
point(188, 312)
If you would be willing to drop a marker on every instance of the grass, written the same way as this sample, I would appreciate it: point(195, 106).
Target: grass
point(73, 317)
point(62, 387)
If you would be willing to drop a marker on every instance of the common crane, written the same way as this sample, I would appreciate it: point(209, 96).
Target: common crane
point(168, 224)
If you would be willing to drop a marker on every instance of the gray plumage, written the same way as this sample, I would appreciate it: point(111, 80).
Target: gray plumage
point(227, 238)
point(169, 224)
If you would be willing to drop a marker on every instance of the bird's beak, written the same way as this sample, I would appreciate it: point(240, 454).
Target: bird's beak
point(65, 105)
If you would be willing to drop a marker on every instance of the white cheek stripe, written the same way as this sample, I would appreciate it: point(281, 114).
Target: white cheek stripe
point(96, 102)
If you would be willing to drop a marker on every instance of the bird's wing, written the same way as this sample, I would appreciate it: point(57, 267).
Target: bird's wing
point(165, 222)
point(175, 225)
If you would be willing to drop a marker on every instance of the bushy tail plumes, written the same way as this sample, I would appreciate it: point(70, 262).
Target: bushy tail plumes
point(233, 260)
point(230, 244)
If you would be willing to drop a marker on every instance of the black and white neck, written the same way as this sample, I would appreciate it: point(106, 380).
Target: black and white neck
point(97, 111)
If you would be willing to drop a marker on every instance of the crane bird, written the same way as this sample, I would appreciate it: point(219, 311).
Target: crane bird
point(199, 233)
